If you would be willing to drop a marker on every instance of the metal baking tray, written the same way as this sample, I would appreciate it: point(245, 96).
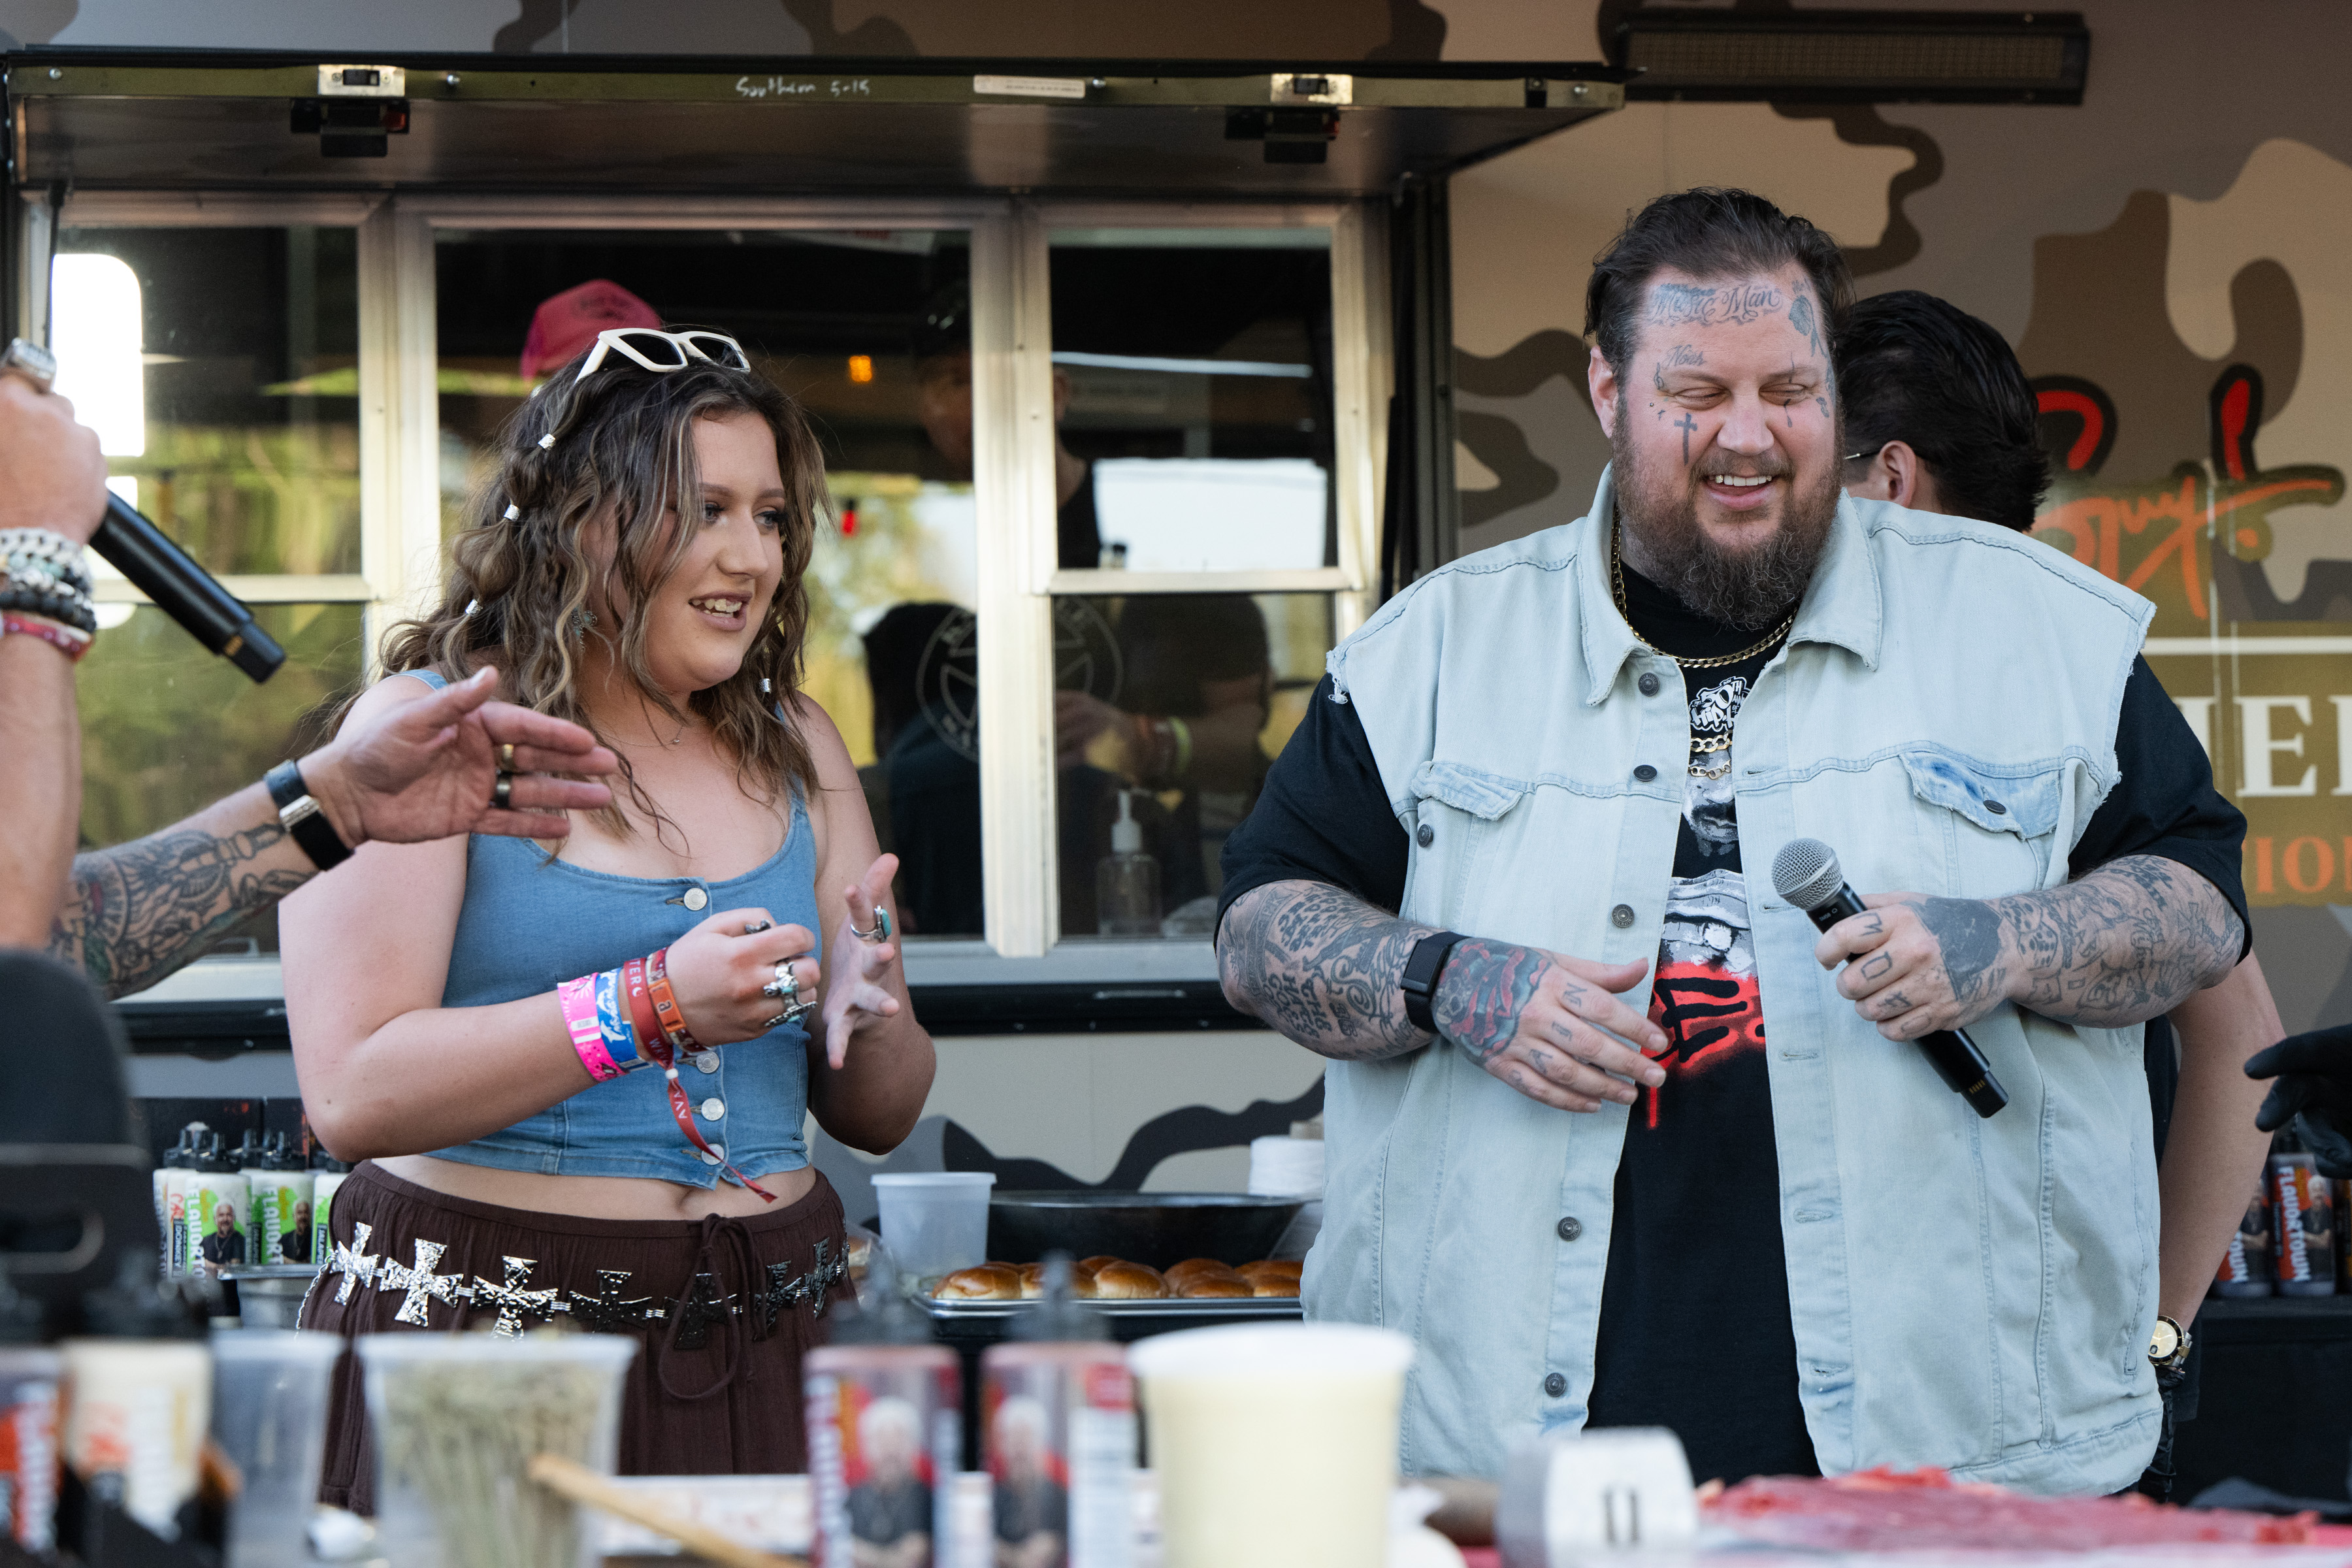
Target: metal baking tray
point(1208, 1310)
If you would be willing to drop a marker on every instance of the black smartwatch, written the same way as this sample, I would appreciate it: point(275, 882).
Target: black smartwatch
point(300, 816)
point(1421, 968)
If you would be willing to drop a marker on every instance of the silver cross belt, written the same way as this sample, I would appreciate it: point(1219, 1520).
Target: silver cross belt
point(609, 1309)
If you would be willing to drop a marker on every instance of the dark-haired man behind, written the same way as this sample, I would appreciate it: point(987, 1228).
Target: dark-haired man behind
point(1939, 417)
point(1773, 1229)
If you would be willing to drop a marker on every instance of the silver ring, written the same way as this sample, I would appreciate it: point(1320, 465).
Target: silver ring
point(786, 986)
point(502, 792)
point(754, 927)
point(881, 931)
point(789, 1015)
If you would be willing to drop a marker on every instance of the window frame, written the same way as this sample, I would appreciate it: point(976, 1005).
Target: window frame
point(1012, 478)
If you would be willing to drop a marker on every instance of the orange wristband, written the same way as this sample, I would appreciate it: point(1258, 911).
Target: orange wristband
point(665, 1000)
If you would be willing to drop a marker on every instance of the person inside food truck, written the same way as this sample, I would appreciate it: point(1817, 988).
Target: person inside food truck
point(1738, 1203)
point(1939, 417)
point(129, 915)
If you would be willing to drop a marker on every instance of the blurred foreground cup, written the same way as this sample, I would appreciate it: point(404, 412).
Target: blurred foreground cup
point(457, 1418)
point(1276, 1444)
point(269, 1416)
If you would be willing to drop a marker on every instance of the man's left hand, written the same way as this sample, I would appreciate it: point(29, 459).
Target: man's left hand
point(424, 768)
point(1915, 964)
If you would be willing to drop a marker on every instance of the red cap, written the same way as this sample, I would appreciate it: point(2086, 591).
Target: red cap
point(565, 325)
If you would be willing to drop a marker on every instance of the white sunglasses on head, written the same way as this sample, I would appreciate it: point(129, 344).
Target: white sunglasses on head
point(650, 349)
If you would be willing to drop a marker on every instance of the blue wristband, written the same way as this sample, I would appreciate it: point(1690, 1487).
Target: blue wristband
point(612, 1022)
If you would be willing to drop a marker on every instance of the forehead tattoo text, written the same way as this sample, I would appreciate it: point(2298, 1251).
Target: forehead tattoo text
point(1736, 305)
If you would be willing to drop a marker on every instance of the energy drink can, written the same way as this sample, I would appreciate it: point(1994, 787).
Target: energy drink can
point(29, 1465)
point(327, 1177)
point(885, 1434)
point(2246, 1265)
point(1059, 1420)
point(2304, 1210)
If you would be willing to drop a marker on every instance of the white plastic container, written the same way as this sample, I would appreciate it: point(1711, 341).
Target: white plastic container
point(935, 1222)
point(1276, 1444)
point(269, 1416)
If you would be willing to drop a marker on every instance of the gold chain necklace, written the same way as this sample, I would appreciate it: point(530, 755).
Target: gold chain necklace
point(1617, 592)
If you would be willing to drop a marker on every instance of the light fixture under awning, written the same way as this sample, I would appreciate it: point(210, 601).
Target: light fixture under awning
point(1826, 55)
point(102, 119)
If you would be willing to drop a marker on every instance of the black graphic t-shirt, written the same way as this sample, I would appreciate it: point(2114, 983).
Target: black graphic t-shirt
point(1698, 1337)
point(1695, 1330)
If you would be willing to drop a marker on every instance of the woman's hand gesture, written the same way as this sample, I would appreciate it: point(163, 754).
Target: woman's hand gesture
point(723, 968)
point(857, 966)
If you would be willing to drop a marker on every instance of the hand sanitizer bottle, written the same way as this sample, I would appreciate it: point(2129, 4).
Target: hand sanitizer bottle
point(1127, 880)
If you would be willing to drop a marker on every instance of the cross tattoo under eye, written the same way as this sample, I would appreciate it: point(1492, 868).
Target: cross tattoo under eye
point(1686, 424)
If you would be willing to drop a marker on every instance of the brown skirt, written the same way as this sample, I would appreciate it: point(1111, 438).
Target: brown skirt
point(723, 1309)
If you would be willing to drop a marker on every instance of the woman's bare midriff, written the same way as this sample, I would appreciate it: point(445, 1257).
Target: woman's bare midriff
point(597, 1197)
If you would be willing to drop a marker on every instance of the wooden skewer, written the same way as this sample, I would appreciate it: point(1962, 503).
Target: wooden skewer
point(570, 1479)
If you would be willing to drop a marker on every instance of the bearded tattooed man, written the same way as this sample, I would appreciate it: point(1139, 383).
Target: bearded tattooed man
point(1613, 1132)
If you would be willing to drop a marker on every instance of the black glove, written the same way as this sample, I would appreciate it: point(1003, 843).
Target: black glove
point(2314, 1082)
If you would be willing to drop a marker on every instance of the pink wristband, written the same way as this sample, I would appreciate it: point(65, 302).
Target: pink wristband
point(578, 1000)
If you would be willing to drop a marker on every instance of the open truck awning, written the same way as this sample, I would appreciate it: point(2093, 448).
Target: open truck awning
point(1284, 129)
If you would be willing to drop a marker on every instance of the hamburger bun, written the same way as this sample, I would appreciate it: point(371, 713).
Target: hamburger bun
point(1215, 1287)
point(1191, 1269)
point(1271, 1268)
point(981, 1282)
point(1119, 1281)
point(1275, 1285)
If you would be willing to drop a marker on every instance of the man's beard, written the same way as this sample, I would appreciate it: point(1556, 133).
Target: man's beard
point(1746, 589)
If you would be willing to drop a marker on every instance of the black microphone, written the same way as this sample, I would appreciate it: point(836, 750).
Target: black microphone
point(1806, 873)
point(160, 569)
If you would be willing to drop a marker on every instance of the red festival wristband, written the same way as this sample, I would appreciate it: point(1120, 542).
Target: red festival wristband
point(659, 1045)
point(71, 641)
point(638, 998)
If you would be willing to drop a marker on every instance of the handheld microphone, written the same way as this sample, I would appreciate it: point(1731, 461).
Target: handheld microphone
point(159, 568)
point(1806, 873)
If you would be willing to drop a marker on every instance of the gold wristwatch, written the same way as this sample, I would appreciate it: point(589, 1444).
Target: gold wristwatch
point(2167, 1346)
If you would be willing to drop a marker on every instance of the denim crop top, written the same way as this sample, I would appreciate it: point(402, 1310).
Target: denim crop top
point(530, 923)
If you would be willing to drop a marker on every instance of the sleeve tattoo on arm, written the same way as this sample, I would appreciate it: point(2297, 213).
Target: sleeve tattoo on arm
point(1322, 967)
point(136, 912)
point(2121, 944)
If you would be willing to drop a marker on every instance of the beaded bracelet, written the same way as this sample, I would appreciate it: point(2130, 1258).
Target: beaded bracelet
point(60, 604)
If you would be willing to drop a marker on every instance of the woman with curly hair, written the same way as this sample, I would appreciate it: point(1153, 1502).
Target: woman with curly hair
point(577, 1077)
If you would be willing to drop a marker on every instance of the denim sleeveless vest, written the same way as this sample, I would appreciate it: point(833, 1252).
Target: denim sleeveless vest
point(1973, 1294)
point(530, 923)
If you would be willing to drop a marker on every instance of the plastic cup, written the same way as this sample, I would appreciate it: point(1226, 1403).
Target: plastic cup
point(935, 1222)
point(1276, 1444)
point(269, 1416)
point(457, 1418)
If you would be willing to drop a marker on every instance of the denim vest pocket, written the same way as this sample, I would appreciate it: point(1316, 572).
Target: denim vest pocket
point(1996, 819)
point(1458, 813)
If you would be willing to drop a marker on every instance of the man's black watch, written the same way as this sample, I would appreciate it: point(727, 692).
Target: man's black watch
point(301, 815)
point(1421, 968)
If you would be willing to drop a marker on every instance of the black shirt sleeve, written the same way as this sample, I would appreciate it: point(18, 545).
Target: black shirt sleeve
point(1323, 816)
point(2165, 804)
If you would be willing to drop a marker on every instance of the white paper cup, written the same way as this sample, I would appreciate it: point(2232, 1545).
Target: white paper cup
point(1275, 1444)
point(138, 1409)
point(935, 1222)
